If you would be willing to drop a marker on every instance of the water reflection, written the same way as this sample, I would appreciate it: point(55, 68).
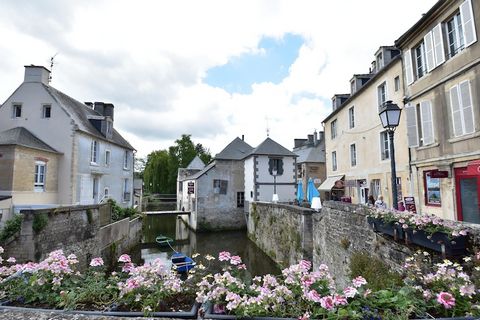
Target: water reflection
point(189, 242)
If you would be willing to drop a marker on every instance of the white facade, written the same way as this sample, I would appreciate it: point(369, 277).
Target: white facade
point(66, 129)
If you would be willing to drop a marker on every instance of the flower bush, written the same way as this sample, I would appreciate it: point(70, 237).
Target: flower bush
point(428, 223)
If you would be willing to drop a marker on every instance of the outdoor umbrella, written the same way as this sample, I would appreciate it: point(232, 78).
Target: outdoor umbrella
point(300, 191)
point(311, 191)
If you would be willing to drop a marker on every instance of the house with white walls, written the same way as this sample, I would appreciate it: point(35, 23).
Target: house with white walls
point(75, 154)
point(270, 169)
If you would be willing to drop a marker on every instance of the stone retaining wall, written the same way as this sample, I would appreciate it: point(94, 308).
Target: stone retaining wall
point(75, 229)
point(282, 231)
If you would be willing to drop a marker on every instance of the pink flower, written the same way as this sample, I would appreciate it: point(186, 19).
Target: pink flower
point(350, 292)
point(340, 300)
point(1, 250)
point(242, 267)
point(96, 262)
point(446, 299)
point(11, 260)
point(327, 302)
point(128, 267)
point(467, 290)
point(313, 295)
point(305, 264)
point(235, 260)
point(124, 258)
point(224, 256)
point(359, 281)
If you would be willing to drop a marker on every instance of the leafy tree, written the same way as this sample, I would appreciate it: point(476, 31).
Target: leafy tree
point(156, 172)
point(139, 167)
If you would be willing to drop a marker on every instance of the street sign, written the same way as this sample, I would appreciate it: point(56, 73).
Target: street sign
point(410, 204)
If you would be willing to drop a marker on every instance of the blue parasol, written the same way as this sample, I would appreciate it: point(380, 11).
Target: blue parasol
point(300, 191)
point(311, 191)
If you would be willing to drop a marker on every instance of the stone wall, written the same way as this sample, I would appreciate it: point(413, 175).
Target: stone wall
point(282, 231)
point(75, 229)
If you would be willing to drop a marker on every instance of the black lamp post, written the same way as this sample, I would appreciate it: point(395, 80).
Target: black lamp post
point(390, 117)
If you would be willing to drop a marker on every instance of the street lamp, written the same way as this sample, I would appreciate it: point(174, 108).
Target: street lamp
point(275, 195)
point(390, 117)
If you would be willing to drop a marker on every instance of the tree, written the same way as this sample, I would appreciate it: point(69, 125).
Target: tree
point(161, 169)
point(139, 167)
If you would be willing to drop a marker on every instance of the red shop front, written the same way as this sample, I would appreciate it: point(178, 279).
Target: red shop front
point(467, 187)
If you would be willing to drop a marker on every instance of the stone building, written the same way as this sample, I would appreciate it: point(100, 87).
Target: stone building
point(270, 169)
point(442, 89)
point(74, 154)
point(311, 159)
point(214, 195)
point(357, 146)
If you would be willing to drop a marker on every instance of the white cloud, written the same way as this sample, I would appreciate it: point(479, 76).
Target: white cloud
point(149, 58)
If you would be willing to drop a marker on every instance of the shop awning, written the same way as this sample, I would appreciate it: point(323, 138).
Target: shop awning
point(328, 184)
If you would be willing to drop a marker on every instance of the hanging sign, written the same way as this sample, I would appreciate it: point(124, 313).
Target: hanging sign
point(191, 187)
point(410, 204)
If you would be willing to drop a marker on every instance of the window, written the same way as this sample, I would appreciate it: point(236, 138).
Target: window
point(462, 110)
point(420, 129)
point(353, 155)
point(240, 199)
point(455, 39)
point(419, 52)
point(432, 189)
point(17, 111)
point(180, 186)
point(126, 192)
point(333, 128)
point(397, 83)
point(375, 189)
point(95, 189)
point(334, 160)
point(105, 193)
point(220, 186)
point(94, 151)
point(40, 171)
point(109, 127)
point(351, 117)
point(47, 111)
point(125, 160)
point(384, 145)
point(382, 94)
point(107, 157)
point(275, 166)
point(379, 61)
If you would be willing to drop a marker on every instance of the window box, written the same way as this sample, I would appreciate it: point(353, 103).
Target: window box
point(438, 241)
point(391, 229)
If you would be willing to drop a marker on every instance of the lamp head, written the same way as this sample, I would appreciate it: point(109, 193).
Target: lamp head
point(390, 115)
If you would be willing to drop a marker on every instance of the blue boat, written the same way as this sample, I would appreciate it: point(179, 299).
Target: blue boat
point(182, 262)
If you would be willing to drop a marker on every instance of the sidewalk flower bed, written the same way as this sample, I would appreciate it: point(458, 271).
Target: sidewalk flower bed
point(445, 289)
point(427, 231)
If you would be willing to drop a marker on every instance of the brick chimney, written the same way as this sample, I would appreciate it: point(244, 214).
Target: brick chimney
point(36, 74)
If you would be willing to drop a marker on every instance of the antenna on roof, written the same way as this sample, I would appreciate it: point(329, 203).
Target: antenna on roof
point(51, 67)
point(268, 129)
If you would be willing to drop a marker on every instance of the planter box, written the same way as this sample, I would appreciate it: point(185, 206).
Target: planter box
point(438, 242)
point(390, 229)
point(192, 314)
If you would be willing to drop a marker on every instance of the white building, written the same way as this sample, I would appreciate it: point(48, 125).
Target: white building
point(94, 161)
point(270, 168)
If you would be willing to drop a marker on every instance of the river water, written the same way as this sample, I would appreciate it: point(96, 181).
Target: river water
point(189, 242)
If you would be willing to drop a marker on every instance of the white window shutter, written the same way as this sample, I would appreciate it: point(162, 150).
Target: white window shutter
point(456, 111)
point(438, 48)
point(412, 131)
point(468, 23)
point(467, 108)
point(427, 122)
point(429, 57)
point(407, 60)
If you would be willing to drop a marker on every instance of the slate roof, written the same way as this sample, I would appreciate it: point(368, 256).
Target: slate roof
point(200, 173)
point(196, 163)
point(80, 112)
point(271, 148)
point(312, 154)
point(235, 150)
point(22, 137)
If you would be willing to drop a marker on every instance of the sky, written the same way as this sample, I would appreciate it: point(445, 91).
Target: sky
point(215, 69)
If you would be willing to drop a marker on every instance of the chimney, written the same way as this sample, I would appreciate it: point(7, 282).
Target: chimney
point(99, 107)
point(299, 143)
point(108, 110)
point(36, 74)
point(315, 139)
point(310, 138)
point(243, 137)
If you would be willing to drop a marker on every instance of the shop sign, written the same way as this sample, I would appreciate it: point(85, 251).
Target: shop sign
point(439, 174)
point(410, 204)
point(473, 168)
point(191, 187)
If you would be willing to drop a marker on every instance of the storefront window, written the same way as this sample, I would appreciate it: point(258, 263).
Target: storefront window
point(432, 189)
